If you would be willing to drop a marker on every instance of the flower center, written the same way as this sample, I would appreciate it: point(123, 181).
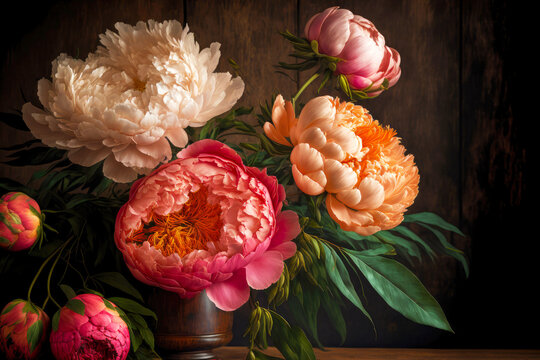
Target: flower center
point(92, 349)
point(374, 137)
point(139, 85)
point(182, 232)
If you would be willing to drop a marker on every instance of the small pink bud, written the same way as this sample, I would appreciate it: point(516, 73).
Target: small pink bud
point(23, 329)
point(365, 59)
point(20, 221)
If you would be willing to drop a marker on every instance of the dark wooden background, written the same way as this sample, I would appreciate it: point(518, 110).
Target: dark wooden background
point(454, 107)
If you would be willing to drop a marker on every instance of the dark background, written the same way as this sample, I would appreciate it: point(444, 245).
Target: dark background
point(456, 107)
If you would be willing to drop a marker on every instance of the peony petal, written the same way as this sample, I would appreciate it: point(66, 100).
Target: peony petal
point(335, 32)
point(308, 185)
point(265, 270)
point(339, 177)
point(372, 194)
point(287, 228)
point(118, 172)
point(229, 295)
point(178, 137)
point(317, 110)
point(306, 158)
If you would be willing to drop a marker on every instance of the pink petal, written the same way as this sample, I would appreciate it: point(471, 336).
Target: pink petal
point(287, 228)
point(265, 270)
point(313, 26)
point(335, 32)
point(229, 295)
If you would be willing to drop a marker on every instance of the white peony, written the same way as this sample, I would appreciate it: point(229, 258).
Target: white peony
point(126, 101)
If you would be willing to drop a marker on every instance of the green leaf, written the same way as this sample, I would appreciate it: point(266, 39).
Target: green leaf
point(118, 281)
point(290, 341)
point(412, 236)
point(68, 291)
point(13, 120)
point(432, 219)
point(55, 320)
point(20, 146)
point(76, 305)
point(335, 316)
point(262, 356)
point(305, 307)
point(402, 290)
point(449, 248)
point(132, 306)
point(340, 277)
point(410, 247)
point(33, 335)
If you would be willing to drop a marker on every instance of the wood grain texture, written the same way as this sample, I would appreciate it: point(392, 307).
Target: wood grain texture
point(189, 328)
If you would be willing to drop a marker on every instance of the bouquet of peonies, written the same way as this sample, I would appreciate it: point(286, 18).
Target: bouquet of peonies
point(136, 159)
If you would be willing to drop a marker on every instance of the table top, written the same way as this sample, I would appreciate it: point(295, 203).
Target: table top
point(233, 353)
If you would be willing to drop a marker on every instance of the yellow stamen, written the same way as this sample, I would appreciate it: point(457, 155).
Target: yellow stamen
point(189, 229)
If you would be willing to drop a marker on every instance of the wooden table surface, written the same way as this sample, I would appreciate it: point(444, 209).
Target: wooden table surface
point(234, 353)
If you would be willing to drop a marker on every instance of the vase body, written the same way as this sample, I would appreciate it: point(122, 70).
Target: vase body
point(189, 328)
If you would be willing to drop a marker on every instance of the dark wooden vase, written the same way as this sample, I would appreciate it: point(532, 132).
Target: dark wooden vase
point(189, 328)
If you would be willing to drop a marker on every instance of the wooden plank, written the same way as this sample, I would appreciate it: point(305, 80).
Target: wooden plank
point(248, 33)
point(496, 201)
point(226, 353)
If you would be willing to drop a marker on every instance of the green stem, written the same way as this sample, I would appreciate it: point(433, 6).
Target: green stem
point(45, 302)
point(50, 276)
point(41, 269)
point(301, 90)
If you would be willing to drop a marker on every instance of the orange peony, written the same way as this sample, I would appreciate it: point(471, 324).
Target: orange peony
point(339, 149)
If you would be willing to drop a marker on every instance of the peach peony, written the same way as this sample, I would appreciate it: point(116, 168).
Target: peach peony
point(339, 149)
point(124, 103)
point(207, 222)
point(367, 61)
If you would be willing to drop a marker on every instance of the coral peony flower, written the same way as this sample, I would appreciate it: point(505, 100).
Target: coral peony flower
point(206, 221)
point(20, 221)
point(98, 334)
point(367, 61)
point(339, 149)
point(125, 102)
point(23, 329)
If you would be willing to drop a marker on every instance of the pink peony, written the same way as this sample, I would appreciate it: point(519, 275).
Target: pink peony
point(207, 221)
point(367, 61)
point(23, 329)
point(20, 221)
point(98, 334)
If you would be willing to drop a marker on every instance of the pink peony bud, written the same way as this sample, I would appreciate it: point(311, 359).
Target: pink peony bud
point(20, 221)
point(89, 327)
point(23, 328)
point(366, 60)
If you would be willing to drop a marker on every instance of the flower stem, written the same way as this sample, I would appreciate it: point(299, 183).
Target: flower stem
point(306, 84)
point(43, 266)
point(50, 276)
